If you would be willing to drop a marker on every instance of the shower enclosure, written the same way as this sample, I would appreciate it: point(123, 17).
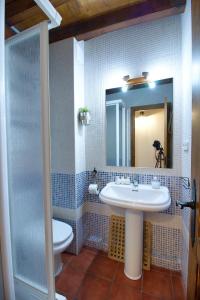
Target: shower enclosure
point(28, 160)
point(117, 133)
point(25, 203)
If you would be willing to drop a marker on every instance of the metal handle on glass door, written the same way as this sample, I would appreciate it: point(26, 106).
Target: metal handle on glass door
point(190, 204)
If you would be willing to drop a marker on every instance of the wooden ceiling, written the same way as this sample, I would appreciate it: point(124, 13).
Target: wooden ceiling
point(86, 19)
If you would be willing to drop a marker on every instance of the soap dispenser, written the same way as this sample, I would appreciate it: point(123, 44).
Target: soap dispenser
point(155, 183)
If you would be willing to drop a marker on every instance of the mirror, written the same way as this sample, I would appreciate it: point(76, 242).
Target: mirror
point(139, 125)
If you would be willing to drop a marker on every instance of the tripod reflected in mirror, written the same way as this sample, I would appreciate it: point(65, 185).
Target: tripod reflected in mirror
point(159, 155)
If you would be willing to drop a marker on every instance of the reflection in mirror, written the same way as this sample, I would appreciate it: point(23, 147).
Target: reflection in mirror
point(139, 131)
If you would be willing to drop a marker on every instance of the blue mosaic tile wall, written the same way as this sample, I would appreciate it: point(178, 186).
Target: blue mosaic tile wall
point(173, 183)
point(166, 242)
point(63, 190)
point(73, 246)
point(81, 187)
point(79, 237)
point(97, 231)
point(68, 190)
point(71, 191)
point(166, 247)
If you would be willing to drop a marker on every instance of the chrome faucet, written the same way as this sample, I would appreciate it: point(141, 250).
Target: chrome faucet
point(135, 184)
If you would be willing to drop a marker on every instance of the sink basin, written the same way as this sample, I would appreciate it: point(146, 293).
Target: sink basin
point(144, 198)
point(135, 201)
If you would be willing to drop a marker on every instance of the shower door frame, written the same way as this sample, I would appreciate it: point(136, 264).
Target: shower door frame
point(117, 104)
point(5, 238)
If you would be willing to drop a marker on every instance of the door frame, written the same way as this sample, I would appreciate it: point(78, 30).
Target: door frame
point(132, 126)
point(193, 283)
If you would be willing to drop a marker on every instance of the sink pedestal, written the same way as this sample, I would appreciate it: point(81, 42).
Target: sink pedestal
point(133, 243)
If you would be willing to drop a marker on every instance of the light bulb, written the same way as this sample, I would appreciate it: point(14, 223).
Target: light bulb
point(152, 84)
point(124, 88)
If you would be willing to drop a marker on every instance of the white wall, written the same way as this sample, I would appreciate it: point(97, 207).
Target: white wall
point(66, 97)
point(154, 47)
point(79, 101)
point(62, 106)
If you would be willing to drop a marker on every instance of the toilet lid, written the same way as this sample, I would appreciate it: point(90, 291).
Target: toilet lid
point(61, 231)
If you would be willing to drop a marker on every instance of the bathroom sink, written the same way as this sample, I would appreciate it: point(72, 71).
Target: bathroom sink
point(135, 200)
point(144, 197)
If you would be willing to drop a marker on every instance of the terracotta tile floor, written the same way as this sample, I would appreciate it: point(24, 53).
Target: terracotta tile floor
point(93, 276)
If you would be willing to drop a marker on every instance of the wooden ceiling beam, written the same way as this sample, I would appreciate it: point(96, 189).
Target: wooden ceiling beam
point(22, 10)
point(8, 32)
point(15, 7)
point(137, 13)
point(124, 24)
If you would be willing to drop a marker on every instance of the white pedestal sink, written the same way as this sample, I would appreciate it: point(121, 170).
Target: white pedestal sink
point(135, 202)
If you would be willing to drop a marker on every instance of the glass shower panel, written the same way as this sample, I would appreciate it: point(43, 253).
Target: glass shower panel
point(111, 135)
point(25, 163)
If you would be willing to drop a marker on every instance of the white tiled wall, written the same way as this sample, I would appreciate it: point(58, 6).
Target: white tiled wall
point(154, 47)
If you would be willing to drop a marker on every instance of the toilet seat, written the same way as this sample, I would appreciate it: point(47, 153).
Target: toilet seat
point(61, 232)
point(62, 238)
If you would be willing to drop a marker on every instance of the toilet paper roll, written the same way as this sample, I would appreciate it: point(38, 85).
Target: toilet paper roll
point(93, 189)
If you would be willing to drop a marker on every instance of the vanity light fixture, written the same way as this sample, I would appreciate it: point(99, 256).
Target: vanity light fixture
point(145, 78)
point(136, 80)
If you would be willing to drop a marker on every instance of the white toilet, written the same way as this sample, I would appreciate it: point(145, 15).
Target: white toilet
point(62, 237)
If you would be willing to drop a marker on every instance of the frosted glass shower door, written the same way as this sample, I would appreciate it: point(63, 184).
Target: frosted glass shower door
point(27, 115)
